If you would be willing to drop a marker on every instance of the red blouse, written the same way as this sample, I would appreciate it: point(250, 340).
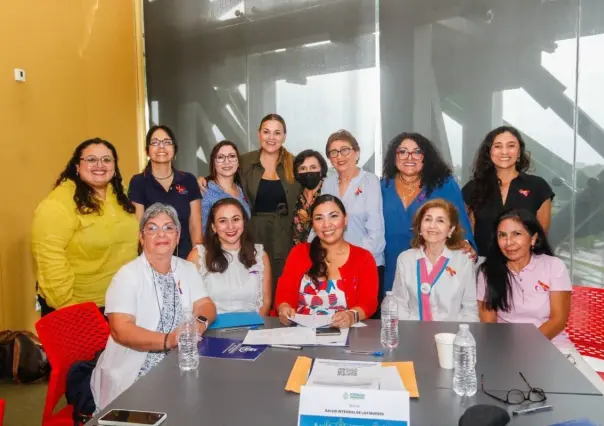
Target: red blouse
point(359, 278)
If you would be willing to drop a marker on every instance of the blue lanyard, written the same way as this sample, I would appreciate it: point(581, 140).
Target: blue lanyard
point(419, 286)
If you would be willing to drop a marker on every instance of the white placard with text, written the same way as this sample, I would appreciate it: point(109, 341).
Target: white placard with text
point(349, 406)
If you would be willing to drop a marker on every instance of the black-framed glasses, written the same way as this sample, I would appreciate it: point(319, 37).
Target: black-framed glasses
point(158, 142)
point(344, 152)
point(516, 396)
point(404, 154)
point(231, 158)
point(91, 160)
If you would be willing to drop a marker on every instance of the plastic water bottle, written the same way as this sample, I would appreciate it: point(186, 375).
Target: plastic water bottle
point(389, 334)
point(464, 362)
point(188, 355)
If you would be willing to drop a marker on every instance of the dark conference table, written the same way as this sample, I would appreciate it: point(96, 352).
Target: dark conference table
point(231, 392)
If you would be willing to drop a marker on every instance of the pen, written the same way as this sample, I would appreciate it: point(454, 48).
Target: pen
point(253, 327)
point(297, 348)
point(532, 410)
point(372, 353)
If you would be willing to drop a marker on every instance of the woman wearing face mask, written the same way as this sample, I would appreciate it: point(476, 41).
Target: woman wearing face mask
point(329, 275)
point(236, 272)
point(160, 182)
point(268, 182)
point(521, 281)
point(310, 168)
point(414, 173)
point(84, 231)
point(436, 258)
point(224, 180)
point(500, 182)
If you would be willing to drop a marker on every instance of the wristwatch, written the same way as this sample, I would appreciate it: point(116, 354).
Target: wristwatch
point(203, 320)
point(355, 316)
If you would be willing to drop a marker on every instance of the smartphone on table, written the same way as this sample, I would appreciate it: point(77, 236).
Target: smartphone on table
point(328, 331)
point(132, 418)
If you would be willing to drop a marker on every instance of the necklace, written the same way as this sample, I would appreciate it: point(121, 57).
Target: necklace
point(409, 189)
point(164, 178)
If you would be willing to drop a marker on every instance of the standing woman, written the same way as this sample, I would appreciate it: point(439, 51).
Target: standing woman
point(360, 192)
point(160, 182)
point(271, 190)
point(224, 180)
point(414, 173)
point(84, 231)
point(500, 182)
point(310, 169)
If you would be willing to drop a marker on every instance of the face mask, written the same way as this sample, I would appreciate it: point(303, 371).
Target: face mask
point(309, 180)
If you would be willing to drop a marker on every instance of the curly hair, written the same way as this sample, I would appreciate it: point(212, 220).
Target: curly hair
point(456, 240)
point(485, 182)
point(216, 258)
point(435, 171)
point(318, 254)
point(84, 197)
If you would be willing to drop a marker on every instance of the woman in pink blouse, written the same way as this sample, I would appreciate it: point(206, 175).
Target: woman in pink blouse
point(522, 282)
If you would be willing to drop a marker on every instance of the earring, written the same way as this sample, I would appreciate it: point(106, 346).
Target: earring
point(77, 173)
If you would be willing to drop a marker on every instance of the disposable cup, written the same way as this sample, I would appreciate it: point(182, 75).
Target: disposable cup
point(444, 348)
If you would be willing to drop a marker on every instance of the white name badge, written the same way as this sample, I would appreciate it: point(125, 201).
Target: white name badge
point(352, 406)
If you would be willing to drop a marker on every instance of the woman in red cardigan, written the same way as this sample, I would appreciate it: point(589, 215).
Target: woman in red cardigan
point(329, 275)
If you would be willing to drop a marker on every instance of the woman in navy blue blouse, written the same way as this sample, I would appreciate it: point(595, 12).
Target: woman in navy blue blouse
point(413, 173)
point(160, 182)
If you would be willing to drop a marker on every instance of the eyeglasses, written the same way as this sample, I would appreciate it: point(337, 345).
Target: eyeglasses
point(404, 154)
point(91, 160)
point(165, 142)
point(516, 396)
point(344, 152)
point(232, 158)
point(153, 229)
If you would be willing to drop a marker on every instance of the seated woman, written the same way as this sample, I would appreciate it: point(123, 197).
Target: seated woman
point(236, 272)
point(329, 275)
point(521, 281)
point(145, 304)
point(435, 279)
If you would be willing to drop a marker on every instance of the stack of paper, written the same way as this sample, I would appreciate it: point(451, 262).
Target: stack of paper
point(300, 336)
point(360, 374)
point(317, 321)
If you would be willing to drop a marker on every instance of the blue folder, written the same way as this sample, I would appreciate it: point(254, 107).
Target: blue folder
point(237, 319)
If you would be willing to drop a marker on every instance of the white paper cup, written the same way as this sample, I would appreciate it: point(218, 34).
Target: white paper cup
point(444, 348)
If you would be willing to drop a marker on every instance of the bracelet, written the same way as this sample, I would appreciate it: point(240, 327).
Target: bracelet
point(166, 350)
point(355, 316)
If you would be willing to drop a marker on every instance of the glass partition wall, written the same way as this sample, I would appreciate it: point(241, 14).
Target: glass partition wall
point(450, 69)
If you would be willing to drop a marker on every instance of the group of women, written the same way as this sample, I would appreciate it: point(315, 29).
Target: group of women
point(267, 230)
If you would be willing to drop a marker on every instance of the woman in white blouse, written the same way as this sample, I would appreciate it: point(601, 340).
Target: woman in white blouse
point(435, 280)
point(235, 271)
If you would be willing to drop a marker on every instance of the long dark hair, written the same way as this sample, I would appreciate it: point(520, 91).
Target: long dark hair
point(214, 154)
point(484, 174)
point(497, 276)
point(84, 197)
point(216, 258)
point(318, 254)
point(435, 171)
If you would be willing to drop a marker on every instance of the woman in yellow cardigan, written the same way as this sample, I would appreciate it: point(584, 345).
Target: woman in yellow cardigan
point(84, 230)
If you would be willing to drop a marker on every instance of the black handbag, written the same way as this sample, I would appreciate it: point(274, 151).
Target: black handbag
point(22, 357)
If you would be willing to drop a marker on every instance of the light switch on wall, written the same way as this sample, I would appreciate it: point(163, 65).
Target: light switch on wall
point(19, 74)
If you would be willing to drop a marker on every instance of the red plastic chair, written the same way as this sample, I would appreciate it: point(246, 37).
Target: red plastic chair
point(585, 325)
point(1, 411)
point(70, 334)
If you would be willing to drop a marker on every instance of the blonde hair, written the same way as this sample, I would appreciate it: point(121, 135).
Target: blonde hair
point(285, 156)
point(456, 240)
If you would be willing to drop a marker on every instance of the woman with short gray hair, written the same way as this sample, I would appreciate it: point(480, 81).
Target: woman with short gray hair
point(145, 304)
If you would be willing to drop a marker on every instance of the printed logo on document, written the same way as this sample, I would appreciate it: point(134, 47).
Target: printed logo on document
point(353, 396)
point(238, 347)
